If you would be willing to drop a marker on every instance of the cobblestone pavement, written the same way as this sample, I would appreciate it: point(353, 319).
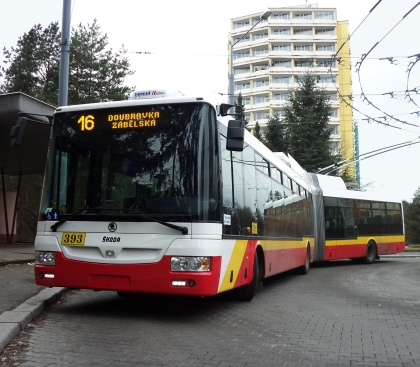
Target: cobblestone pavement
point(340, 314)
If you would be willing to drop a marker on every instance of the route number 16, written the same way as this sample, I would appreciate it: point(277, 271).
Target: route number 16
point(87, 122)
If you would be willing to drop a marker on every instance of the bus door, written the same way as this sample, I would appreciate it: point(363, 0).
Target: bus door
point(331, 232)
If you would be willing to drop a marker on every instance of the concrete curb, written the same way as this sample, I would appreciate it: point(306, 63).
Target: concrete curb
point(13, 322)
point(14, 262)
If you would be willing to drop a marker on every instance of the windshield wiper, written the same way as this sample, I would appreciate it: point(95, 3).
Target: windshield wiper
point(183, 230)
point(64, 220)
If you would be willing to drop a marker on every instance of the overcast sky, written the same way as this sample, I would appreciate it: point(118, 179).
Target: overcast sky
point(188, 40)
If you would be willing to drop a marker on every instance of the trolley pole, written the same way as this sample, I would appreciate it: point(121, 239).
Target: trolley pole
point(63, 80)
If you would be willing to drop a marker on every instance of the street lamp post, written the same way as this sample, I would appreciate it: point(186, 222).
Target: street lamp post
point(263, 16)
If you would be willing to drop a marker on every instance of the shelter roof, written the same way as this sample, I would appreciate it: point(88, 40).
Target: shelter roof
point(30, 157)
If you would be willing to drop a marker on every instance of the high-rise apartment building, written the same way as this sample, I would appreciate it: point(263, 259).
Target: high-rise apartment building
point(267, 61)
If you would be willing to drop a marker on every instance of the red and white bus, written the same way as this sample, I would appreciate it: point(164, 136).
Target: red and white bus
point(144, 196)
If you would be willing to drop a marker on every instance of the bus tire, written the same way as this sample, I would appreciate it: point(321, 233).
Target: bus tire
point(247, 292)
point(370, 253)
point(304, 269)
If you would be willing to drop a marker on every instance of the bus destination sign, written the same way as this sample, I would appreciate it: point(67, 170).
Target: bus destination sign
point(130, 120)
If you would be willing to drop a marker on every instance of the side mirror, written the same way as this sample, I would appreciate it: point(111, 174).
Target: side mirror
point(235, 136)
point(17, 132)
point(224, 108)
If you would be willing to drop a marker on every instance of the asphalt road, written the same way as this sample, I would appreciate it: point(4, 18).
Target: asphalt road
point(17, 284)
point(340, 314)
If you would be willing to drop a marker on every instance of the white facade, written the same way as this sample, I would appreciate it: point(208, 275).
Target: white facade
point(271, 58)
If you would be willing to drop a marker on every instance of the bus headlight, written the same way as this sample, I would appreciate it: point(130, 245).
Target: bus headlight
point(45, 258)
point(190, 263)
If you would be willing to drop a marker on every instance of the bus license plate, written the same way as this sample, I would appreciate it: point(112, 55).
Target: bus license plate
point(73, 239)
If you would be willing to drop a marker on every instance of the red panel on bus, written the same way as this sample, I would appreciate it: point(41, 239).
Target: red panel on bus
point(143, 278)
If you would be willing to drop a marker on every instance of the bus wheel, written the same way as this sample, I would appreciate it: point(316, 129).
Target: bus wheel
point(304, 269)
point(247, 292)
point(370, 253)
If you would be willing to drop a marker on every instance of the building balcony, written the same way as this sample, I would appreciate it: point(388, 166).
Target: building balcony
point(260, 71)
point(278, 103)
point(274, 87)
point(259, 106)
point(329, 87)
point(259, 90)
point(242, 61)
point(325, 38)
point(274, 70)
point(244, 92)
point(334, 120)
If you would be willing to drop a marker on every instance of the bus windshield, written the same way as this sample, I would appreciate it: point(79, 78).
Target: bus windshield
point(130, 163)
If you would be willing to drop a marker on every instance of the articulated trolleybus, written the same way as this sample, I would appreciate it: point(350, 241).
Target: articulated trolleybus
point(167, 194)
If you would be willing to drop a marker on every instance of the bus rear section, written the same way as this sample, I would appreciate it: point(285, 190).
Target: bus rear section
point(360, 225)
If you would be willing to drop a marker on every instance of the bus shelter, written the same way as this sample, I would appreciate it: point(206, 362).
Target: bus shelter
point(29, 158)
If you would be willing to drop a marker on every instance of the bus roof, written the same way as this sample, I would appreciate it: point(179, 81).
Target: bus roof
point(133, 102)
point(334, 187)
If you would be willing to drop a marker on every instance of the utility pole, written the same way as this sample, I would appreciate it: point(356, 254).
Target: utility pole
point(63, 79)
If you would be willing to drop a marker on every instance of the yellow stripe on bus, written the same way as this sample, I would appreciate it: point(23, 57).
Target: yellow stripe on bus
point(234, 265)
point(363, 240)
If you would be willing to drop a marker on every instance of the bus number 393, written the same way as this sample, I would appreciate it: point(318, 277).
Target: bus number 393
point(70, 238)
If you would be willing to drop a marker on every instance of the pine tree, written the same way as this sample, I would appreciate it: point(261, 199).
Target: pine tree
point(239, 110)
point(34, 64)
point(258, 133)
point(412, 218)
point(276, 135)
point(308, 135)
point(96, 72)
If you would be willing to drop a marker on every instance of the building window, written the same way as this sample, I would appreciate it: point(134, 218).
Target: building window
point(333, 113)
point(324, 15)
point(260, 51)
point(259, 68)
point(258, 20)
point(260, 115)
point(302, 32)
point(279, 113)
point(282, 96)
point(283, 48)
point(240, 71)
point(240, 86)
point(258, 36)
point(246, 101)
point(281, 32)
point(240, 40)
point(261, 83)
point(325, 47)
point(240, 24)
point(280, 16)
point(261, 99)
point(331, 97)
point(325, 32)
point(303, 47)
point(326, 78)
point(240, 55)
point(334, 129)
point(325, 63)
point(303, 63)
point(302, 15)
point(282, 80)
point(282, 64)
point(334, 146)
